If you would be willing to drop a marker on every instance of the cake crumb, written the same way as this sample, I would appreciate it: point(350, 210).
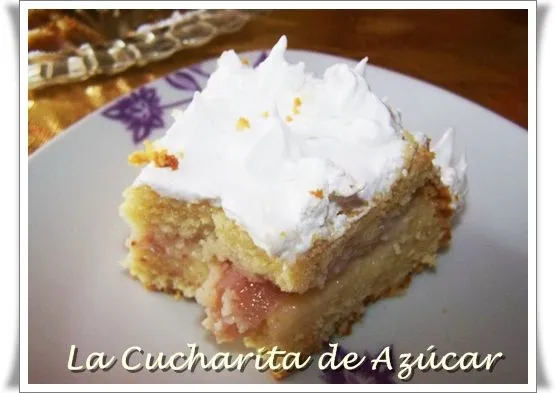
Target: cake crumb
point(289, 118)
point(350, 205)
point(265, 114)
point(242, 124)
point(317, 193)
point(245, 61)
point(428, 259)
point(296, 105)
point(397, 249)
point(160, 158)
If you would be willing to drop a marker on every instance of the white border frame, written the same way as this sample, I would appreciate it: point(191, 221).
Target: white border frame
point(532, 183)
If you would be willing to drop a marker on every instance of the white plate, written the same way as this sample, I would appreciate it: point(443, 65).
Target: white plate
point(78, 293)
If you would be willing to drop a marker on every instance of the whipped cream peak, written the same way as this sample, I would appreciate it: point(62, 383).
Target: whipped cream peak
point(278, 50)
point(275, 146)
point(452, 174)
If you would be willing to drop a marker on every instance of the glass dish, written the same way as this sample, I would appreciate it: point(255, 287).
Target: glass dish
point(74, 45)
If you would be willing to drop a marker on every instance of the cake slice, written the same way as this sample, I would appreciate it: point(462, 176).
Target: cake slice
point(284, 202)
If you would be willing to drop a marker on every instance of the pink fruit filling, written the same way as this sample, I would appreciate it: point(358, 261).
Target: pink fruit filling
point(235, 303)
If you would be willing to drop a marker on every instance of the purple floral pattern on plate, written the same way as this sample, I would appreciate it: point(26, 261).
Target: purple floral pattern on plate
point(363, 374)
point(184, 80)
point(142, 112)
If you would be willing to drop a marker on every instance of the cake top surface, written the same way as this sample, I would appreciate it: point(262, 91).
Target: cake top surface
point(277, 147)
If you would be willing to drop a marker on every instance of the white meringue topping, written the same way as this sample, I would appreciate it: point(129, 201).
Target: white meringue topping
point(452, 175)
point(271, 144)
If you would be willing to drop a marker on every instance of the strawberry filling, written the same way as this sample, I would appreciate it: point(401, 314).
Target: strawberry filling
point(236, 304)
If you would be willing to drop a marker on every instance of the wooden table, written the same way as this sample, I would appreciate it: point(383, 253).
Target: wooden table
point(479, 54)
